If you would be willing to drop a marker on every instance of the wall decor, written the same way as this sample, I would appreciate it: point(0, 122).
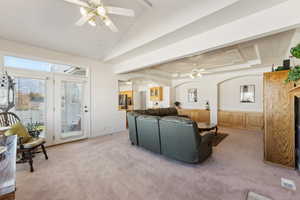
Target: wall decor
point(247, 93)
point(193, 95)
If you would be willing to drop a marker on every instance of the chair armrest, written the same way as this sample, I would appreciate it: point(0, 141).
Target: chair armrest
point(205, 148)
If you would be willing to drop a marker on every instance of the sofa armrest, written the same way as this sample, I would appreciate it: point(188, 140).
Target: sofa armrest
point(183, 116)
point(205, 149)
point(207, 138)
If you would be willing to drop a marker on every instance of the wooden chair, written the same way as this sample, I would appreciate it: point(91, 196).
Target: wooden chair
point(26, 150)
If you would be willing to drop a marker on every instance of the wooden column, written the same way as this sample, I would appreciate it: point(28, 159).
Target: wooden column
point(279, 137)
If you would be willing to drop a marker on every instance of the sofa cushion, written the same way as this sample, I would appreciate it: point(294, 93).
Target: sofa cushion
point(154, 112)
point(131, 120)
point(148, 132)
point(180, 139)
point(177, 119)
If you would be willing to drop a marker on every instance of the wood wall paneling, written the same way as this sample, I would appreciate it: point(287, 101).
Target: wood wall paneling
point(254, 121)
point(241, 120)
point(197, 115)
point(279, 137)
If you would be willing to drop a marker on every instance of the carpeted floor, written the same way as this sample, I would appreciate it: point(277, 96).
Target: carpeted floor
point(109, 168)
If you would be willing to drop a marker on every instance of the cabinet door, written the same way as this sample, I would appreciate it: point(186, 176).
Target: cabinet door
point(279, 137)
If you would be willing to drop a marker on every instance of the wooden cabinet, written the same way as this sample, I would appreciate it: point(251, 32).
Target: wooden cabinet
point(279, 137)
point(156, 94)
point(241, 120)
point(196, 114)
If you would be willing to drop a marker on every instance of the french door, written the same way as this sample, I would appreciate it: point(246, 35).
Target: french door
point(71, 109)
point(58, 104)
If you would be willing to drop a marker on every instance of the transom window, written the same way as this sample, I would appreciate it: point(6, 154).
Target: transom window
point(27, 64)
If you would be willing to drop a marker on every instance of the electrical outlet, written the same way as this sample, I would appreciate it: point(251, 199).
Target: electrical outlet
point(288, 184)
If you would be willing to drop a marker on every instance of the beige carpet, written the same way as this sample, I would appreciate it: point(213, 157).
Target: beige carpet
point(109, 168)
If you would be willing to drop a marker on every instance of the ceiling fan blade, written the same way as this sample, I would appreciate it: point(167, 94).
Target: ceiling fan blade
point(96, 2)
point(120, 11)
point(146, 3)
point(78, 2)
point(111, 25)
point(84, 19)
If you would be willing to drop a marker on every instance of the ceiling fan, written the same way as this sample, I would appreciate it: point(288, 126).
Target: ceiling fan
point(93, 11)
point(193, 74)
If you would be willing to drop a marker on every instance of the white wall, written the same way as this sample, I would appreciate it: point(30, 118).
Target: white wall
point(229, 94)
point(208, 88)
point(105, 117)
point(204, 93)
point(123, 88)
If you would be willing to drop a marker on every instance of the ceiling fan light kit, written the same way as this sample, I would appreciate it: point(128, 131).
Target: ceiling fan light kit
point(95, 9)
point(92, 22)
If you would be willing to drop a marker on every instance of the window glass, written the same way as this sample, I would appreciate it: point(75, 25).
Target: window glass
point(21, 63)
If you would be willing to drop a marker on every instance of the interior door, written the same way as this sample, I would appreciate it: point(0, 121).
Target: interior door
point(71, 109)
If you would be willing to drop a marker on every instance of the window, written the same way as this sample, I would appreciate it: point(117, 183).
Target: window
point(23, 63)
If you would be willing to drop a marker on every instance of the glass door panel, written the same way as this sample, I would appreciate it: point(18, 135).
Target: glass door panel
point(71, 109)
point(30, 100)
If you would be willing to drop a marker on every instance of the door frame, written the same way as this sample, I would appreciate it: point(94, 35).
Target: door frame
point(57, 104)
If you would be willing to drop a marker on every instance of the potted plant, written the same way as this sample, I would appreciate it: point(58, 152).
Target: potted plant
point(296, 51)
point(293, 75)
point(177, 104)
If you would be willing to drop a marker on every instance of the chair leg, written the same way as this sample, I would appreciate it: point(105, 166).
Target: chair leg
point(44, 151)
point(30, 161)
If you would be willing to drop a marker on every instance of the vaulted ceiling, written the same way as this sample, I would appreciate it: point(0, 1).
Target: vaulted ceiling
point(50, 24)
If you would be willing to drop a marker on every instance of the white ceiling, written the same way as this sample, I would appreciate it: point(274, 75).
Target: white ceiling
point(261, 52)
point(202, 16)
point(51, 24)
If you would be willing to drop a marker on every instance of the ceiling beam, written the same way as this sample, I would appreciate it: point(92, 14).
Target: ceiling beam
point(247, 28)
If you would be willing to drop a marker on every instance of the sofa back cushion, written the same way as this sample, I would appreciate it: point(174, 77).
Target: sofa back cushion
point(167, 112)
point(131, 120)
point(148, 132)
point(162, 112)
point(180, 138)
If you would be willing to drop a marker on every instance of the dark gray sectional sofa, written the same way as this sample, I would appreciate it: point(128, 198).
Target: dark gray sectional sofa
point(165, 132)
